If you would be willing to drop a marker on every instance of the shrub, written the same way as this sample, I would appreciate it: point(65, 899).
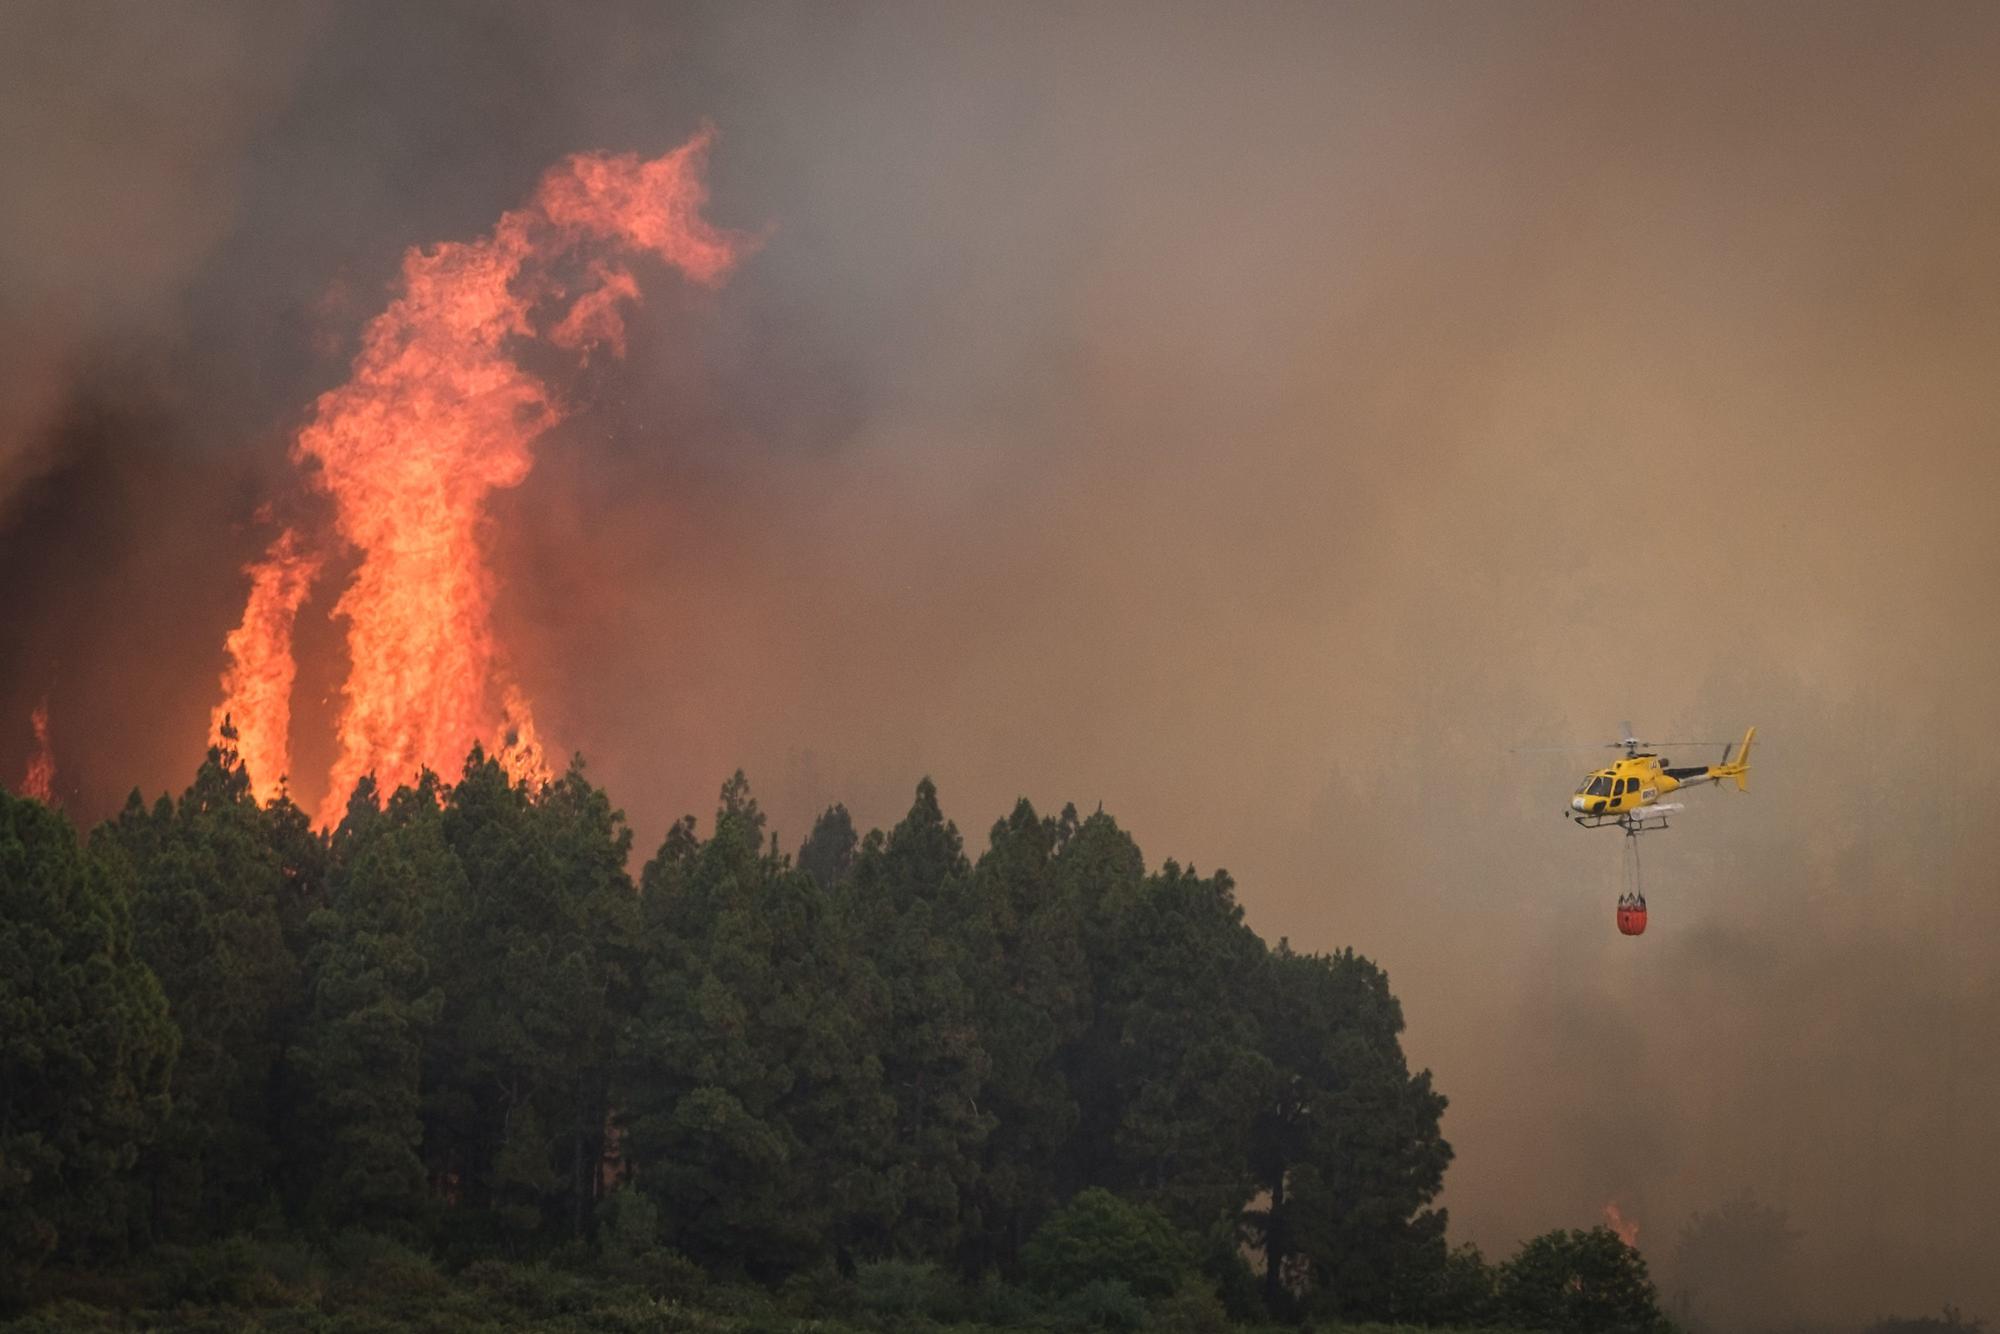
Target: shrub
point(1192, 1308)
point(669, 1276)
point(381, 1273)
point(534, 1290)
point(1579, 1283)
point(740, 1300)
point(1103, 1303)
point(1098, 1236)
point(1235, 1282)
point(628, 1228)
point(1458, 1289)
point(297, 1272)
point(223, 1272)
point(66, 1316)
point(1004, 1305)
point(903, 1290)
point(819, 1292)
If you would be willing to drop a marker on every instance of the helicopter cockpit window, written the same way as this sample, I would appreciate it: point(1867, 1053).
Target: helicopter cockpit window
point(1598, 787)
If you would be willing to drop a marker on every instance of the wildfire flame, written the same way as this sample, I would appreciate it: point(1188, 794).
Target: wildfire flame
point(1627, 1230)
point(257, 686)
point(436, 415)
point(40, 780)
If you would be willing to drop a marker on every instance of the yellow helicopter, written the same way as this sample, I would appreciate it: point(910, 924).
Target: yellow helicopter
point(1630, 793)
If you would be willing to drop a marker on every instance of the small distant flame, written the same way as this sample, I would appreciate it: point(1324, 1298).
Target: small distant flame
point(257, 685)
point(1627, 1230)
point(40, 781)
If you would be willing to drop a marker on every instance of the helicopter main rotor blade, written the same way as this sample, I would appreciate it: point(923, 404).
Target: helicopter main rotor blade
point(1629, 740)
point(1574, 745)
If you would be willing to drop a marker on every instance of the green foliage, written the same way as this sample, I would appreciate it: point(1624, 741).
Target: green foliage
point(1229, 1274)
point(628, 1229)
point(86, 1045)
point(904, 896)
point(828, 852)
point(532, 954)
point(867, 1076)
point(1099, 1236)
point(1004, 1305)
point(749, 1085)
point(1191, 1076)
point(1024, 957)
point(1102, 1303)
point(1347, 1143)
point(66, 1315)
point(1192, 1308)
point(902, 1291)
point(821, 1291)
point(1579, 1283)
point(1458, 1290)
point(209, 880)
point(382, 1275)
point(539, 1291)
point(360, 1051)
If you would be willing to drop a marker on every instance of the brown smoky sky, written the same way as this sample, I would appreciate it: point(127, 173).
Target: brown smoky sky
point(1256, 419)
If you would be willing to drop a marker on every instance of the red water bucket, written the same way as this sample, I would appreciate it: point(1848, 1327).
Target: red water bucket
point(1632, 918)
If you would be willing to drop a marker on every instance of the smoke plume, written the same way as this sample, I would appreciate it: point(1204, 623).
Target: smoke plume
point(1255, 420)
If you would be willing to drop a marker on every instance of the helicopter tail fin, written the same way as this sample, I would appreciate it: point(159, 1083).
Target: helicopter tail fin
point(1740, 770)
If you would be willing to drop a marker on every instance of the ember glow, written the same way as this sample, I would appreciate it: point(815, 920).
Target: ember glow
point(40, 780)
point(438, 414)
point(1627, 1229)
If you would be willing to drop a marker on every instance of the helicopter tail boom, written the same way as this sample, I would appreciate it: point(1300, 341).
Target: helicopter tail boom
point(1740, 770)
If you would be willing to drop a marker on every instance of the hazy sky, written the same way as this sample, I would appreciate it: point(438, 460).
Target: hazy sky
point(1256, 419)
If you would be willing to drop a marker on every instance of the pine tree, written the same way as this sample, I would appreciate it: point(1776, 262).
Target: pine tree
point(373, 1004)
point(1347, 1144)
point(905, 894)
point(1032, 989)
point(532, 957)
point(828, 852)
point(1192, 1077)
point(86, 1045)
point(209, 882)
point(751, 1095)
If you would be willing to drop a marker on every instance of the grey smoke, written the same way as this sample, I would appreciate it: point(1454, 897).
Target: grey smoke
point(1254, 420)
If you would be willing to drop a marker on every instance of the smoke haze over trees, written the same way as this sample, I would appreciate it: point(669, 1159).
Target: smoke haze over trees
point(1256, 426)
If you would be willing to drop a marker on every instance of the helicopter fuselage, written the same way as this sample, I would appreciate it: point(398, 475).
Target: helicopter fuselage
point(1629, 792)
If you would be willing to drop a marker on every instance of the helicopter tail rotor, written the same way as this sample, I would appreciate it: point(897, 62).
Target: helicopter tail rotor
point(1740, 770)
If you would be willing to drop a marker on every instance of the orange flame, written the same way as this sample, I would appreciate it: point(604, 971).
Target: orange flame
point(257, 685)
point(436, 415)
point(520, 752)
point(40, 780)
point(1627, 1230)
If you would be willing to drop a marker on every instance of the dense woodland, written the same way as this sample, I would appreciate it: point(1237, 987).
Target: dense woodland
point(877, 1078)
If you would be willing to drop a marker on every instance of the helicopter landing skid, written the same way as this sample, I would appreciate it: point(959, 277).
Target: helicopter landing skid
point(1632, 822)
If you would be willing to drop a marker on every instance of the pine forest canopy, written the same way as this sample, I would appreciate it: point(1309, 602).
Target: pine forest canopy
point(455, 1018)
